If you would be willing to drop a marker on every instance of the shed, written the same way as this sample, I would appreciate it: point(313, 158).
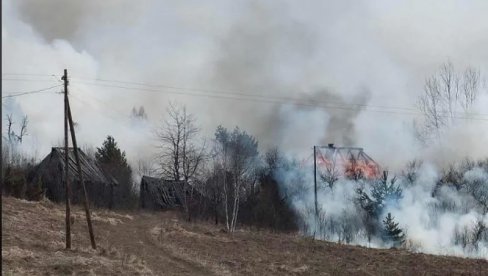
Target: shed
point(50, 175)
point(157, 193)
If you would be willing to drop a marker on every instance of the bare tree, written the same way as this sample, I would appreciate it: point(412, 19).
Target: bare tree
point(447, 95)
point(331, 174)
point(237, 155)
point(139, 113)
point(478, 189)
point(411, 172)
point(469, 88)
point(273, 159)
point(23, 129)
point(180, 156)
point(11, 134)
point(430, 104)
point(145, 167)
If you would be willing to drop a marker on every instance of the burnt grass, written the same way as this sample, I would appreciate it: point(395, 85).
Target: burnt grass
point(145, 243)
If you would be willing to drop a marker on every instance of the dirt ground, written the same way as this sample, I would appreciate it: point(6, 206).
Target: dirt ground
point(144, 243)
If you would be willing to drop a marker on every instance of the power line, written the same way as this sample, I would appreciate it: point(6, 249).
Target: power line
point(17, 94)
point(356, 106)
point(34, 75)
point(243, 97)
point(26, 80)
point(116, 114)
point(226, 94)
point(264, 99)
point(232, 95)
point(248, 97)
point(240, 93)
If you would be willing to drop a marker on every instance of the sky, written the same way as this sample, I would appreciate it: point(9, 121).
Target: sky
point(294, 74)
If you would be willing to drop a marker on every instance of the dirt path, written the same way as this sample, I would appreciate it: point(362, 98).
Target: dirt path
point(135, 238)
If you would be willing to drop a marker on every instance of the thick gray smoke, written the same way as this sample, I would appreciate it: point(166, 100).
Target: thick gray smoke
point(323, 53)
point(293, 74)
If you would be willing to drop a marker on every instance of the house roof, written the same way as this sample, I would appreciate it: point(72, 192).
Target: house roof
point(167, 193)
point(90, 168)
point(153, 181)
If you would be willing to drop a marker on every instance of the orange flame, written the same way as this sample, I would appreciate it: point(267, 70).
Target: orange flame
point(351, 168)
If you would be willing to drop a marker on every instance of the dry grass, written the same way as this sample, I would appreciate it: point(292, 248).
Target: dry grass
point(159, 243)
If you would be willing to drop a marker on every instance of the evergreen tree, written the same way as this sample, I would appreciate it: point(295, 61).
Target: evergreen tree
point(391, 231)
point(113, 161)
point(382, 191)
point(111, 153)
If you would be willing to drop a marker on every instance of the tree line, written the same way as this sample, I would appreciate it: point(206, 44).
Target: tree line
point(226, 179)
point(229, 181)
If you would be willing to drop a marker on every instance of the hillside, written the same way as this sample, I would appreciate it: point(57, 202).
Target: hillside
point(139, 243)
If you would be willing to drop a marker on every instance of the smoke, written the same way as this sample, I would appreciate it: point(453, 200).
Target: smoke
point(436, 219)
point(292, 74)
point(342, 57)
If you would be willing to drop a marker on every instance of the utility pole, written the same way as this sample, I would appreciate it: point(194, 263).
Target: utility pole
point(1, 143)
point(66, 162)
point(315, 180)
point(80, 177)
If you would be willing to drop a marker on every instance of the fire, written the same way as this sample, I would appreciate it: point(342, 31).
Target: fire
point(347, 162)
point(368, 171)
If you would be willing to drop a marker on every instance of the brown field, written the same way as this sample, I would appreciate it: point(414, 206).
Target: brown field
point(141, 243)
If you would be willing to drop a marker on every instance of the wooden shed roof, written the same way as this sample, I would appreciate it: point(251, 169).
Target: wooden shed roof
point(92, 172)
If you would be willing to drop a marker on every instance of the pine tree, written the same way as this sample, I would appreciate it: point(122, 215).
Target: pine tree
point(114, 162)
point(382, 191)
point(391, 231)
point(111, 153)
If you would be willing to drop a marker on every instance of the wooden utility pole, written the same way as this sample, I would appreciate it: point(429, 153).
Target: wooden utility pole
point(1, 144)
point(66, 162)
point(80, 177)
point(315, 180)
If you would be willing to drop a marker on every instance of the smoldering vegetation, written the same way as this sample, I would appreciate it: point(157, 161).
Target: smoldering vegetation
point(436, 211)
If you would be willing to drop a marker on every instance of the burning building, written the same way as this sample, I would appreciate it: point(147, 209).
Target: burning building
point(351, 162)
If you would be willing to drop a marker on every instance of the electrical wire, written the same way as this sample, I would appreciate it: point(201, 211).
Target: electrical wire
point(116, 115)
point(43, 90)
point(25, 80)
point(34, 75)
point(264, 99)
point(356, 106)
point(242, 97)
point(239, 93)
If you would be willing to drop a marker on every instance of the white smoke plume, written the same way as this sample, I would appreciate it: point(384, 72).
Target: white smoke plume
point(435, 224)
point(322, 52)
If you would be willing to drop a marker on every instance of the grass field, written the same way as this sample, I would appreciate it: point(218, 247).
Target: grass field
point(144, 243)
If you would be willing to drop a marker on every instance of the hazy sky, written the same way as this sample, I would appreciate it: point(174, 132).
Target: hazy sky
point(331, 54)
